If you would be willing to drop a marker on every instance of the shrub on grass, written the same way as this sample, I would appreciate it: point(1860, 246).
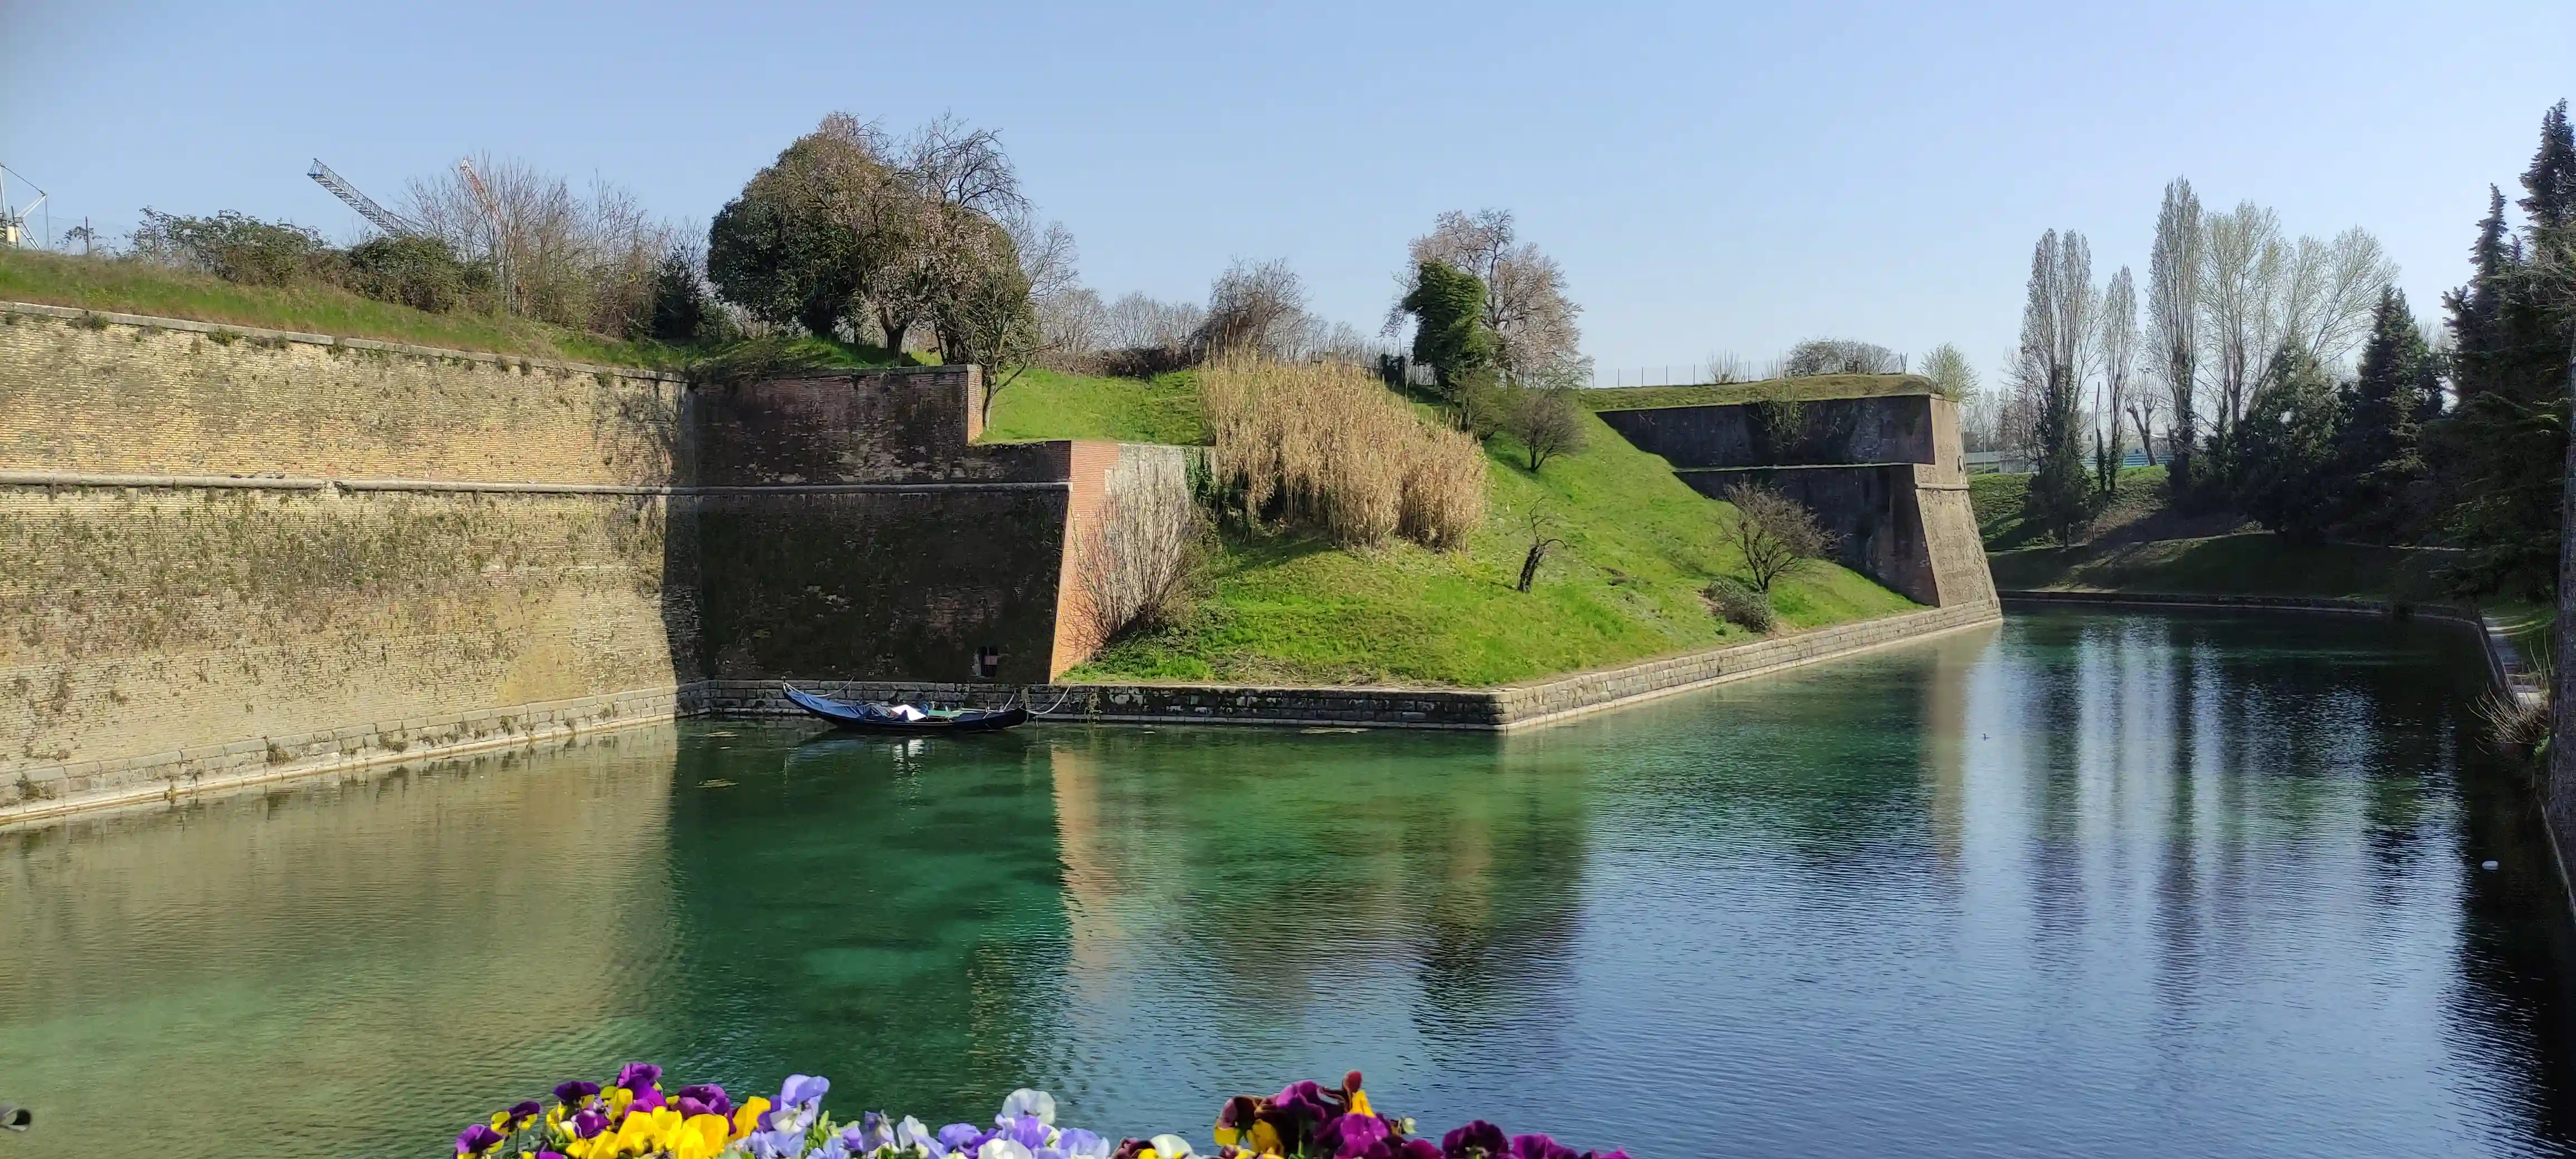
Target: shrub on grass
point(1737, 603)
point(1138, 562)
point(1776, 534)
point(1326, 446)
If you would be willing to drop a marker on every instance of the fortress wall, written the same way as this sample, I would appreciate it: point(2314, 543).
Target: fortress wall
point(1882, 473)
point(229, 556)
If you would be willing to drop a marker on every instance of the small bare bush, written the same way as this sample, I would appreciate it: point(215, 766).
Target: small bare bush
point(1776, 534)
point(1737, 603)
point(1136, 564)
point(1326, 446)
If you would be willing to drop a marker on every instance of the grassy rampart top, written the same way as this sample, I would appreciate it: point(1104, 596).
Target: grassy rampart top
point(1822, 386)
point(1638, 547)
point(132, 287)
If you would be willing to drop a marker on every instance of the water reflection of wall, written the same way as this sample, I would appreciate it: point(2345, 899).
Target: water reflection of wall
point(885, 912)
point(1376, 901)
point(363, 962)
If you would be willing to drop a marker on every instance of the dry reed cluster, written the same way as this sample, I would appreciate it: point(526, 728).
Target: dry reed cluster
point(1326, 446)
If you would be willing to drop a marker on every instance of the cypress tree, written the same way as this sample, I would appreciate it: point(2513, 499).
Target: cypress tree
point(2377, 458)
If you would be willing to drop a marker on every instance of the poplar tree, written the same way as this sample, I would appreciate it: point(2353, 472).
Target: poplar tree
point(2058, 321)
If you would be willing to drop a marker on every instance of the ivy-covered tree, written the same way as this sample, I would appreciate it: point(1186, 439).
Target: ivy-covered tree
point(1449, 329)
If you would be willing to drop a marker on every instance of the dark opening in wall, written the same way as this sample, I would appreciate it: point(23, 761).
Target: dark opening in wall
point(988, 662)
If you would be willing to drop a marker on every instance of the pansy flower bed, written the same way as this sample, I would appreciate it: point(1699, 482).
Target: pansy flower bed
point(634, 1118)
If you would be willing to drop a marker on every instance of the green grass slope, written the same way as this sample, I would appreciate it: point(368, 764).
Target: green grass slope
point(131, 287)
point(2253, 563)
point(1638, 547)
point(1050, 404)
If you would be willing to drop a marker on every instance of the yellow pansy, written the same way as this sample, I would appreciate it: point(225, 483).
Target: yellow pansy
point(1360, 1103)
point(746, 1118)
point(699, 1137)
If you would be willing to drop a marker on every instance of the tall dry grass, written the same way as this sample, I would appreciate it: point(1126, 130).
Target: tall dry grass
point(1325, 446)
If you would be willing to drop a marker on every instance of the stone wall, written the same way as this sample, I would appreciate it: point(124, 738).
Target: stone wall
point(1881, 473)
point(1483, 709)
point(229, 556)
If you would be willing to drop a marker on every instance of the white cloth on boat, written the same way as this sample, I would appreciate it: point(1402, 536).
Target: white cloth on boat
point(907, 712)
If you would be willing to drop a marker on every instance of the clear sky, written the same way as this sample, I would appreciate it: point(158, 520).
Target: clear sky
point(1713, 177)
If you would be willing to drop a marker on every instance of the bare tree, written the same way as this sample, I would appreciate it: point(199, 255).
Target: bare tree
point(1137, 562)
point(1525, 302)
point(2143, 410)
point(1777, 535)
point(1257, 308)
point(2116, 353)
point(2175, 271)
point(2330, 290)
point(576, 261)
point(1138, 321)
point(1547, 421)
point(2057, 347)
point(1840, 356)
point(2240, 313)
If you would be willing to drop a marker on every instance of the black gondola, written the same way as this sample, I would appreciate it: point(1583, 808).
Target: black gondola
point(882, 718)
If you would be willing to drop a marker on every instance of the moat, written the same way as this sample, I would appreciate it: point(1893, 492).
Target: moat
point(2081, 884)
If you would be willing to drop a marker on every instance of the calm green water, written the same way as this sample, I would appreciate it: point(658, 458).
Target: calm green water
point(2084, 885)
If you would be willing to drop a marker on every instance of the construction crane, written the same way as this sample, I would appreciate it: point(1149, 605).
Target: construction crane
point(384, 219)
point(13, 222)
point(492, 212)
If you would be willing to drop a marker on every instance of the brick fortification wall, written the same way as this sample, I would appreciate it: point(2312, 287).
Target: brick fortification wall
point(1882, 473)
point(227, 556)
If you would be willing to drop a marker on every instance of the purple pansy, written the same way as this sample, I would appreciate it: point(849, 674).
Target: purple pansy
point(800, 1089)
point(1476, 1137)
point(636, 1076)
point(574, 1093)
point(1539, 1147)
point(588, 1123)
point(707, 1095)
point(1305, 1101)
point(961, 1137)
point(477, 1139)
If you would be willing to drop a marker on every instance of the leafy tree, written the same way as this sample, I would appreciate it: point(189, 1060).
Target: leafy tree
point(232, 246)
point(416, 271)
point(681, 311)
point(2286, 446)
point(2378, 457)
point(1449, 331)
point(809, 232)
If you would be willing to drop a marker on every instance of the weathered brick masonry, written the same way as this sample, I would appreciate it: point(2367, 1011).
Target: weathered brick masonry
point(232, 555)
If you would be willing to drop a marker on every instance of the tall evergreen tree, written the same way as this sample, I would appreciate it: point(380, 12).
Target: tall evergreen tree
point(2285, 460)
point(2378, 461)
point(2498, 455)
point(2549, 202)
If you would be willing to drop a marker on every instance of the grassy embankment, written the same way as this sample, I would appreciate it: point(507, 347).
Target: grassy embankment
point(128, 287)
point(1638, 547)
point(2139, 545)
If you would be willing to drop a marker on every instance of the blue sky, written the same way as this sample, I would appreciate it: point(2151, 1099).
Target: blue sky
point(1712, 177)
